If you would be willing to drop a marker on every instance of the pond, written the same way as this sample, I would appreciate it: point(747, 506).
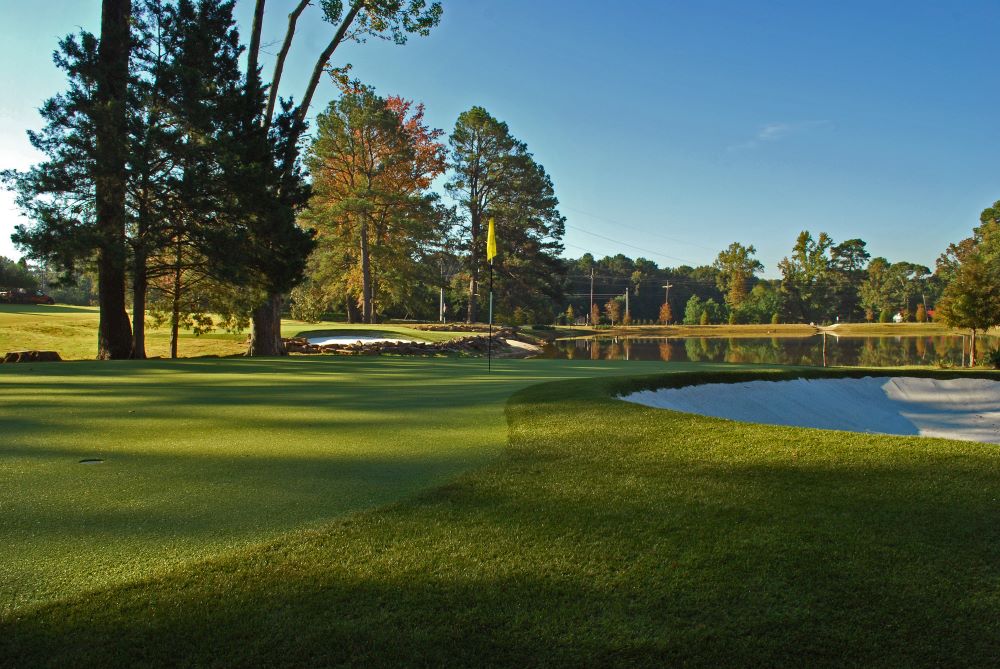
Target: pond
point(818, 350)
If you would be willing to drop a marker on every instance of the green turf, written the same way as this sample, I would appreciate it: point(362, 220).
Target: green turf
point(203, 456)
point(608, 534)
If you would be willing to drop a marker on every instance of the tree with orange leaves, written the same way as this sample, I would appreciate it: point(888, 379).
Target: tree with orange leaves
point(372, 163)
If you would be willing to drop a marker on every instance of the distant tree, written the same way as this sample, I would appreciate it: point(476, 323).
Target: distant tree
point(761, 304)
point(717, 313)
point(595, 315)
point(737, 268)
point(16, 274)
point(805, 283)
point(704, 318)
point(627, 319)
point(971, 298)
point(613, 310)
point(693, 310)
point(907, 280)
point(666, 314)
point(848, 261)
point(570, 315)
point(885, 316)
point(875, 292)
point(921, 316)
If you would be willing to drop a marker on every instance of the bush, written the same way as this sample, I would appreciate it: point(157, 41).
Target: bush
point(885, 316)
point(775, 319)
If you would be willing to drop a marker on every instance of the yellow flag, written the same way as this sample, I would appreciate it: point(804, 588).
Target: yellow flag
point(491, 242)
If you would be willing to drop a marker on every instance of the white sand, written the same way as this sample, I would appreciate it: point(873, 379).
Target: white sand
point(347, 340)
point(966, 409)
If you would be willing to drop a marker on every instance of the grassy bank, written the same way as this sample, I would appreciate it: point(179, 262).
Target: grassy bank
point(608, 534)
point(72, 332)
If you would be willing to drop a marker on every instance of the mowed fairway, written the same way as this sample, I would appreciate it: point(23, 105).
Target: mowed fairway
point(207, 456)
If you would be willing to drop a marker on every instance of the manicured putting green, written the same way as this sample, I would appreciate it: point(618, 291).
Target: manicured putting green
point(200, 457)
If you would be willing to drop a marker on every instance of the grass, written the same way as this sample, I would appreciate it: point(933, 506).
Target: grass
point(72, 332)
point(204, 456)
point(606, 534)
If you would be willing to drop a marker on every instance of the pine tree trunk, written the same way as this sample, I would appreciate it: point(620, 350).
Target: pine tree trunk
point(140, 283)
point(972, 350)
point(114, 338)
point(265, 340)
point(351, 307)
point(366, 277)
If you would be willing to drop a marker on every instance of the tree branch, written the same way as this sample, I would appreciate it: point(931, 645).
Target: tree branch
point(253, 54)
point(279, 65)
point(321, 63)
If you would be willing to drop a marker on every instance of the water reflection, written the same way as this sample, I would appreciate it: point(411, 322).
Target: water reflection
point(818, 350)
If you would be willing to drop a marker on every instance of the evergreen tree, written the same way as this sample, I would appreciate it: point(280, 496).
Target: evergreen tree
point(494, 176)
point(806, 284)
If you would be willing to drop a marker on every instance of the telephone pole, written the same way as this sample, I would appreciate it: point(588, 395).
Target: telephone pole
point(666, 297)
point(591, 296)
point(626, 303)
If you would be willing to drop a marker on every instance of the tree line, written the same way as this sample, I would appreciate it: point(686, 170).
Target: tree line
point(187, 186)
point(190, 188)
point(176, 177)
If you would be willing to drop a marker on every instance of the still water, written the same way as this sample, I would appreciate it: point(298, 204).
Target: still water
point(818, 350)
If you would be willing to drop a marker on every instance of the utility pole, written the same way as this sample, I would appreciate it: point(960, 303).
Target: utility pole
point(591, 296)
point(667, 287)
point(666, 296)
point(626, 302)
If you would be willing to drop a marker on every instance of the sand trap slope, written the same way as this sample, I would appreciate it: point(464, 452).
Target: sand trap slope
point(967, 409)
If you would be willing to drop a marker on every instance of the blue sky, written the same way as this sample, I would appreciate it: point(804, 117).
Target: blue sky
point(670, 128)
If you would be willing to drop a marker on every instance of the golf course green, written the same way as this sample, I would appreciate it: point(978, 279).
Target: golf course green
point(321, 511)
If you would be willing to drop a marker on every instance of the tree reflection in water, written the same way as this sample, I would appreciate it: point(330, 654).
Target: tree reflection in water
point(840, 351)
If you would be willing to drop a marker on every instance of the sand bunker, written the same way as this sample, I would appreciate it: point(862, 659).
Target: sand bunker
point(347, 340)
point(966, 409)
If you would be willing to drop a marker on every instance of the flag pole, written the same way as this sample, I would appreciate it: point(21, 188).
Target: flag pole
point(489, 354)
point(491, 251)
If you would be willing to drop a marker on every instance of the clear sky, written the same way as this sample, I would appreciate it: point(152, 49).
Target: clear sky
point(670, 128)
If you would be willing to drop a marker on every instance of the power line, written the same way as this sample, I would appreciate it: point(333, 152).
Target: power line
point(631, 246)
point(637, 229)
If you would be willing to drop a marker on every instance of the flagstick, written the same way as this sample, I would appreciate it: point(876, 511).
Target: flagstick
point(489, 345)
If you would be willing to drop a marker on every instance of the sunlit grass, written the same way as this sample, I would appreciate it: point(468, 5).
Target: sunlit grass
point(72, 332)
